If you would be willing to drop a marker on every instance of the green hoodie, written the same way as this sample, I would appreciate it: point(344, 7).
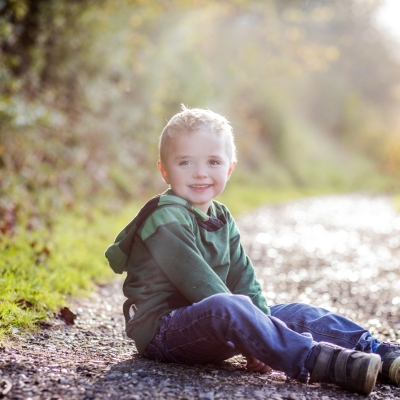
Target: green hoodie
point(174, 256)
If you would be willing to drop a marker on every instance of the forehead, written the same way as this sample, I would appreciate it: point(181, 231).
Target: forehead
point(197, 143)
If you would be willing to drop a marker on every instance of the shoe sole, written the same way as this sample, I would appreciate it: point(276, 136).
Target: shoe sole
point(394, 371)
point(372, 373)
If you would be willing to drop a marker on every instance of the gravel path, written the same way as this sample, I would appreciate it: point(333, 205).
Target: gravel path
point(339, 252)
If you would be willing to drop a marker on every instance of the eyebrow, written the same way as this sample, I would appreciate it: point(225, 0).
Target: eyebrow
point(182, 157)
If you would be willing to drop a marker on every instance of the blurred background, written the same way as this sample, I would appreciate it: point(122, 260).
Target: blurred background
point(311, 87)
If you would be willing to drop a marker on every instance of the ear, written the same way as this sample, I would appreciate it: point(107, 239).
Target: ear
point(231, 168)
point(163, 172)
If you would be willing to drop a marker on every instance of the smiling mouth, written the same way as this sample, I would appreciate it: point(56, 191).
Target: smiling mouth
point(200, 186)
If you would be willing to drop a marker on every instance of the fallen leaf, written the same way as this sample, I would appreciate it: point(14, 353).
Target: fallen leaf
point(67, 316)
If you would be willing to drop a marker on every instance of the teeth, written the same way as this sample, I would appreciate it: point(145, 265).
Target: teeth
point(200, 186)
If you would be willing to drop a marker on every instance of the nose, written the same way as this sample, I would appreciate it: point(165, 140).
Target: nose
point(200, 172)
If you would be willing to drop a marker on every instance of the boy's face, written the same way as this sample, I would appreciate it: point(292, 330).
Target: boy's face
point(197, 167)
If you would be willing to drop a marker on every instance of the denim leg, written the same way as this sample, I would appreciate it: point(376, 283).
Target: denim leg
point(325, 326)
point(223, 325)
point(202, 350)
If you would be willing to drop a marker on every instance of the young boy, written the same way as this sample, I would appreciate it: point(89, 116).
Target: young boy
point(192, 293)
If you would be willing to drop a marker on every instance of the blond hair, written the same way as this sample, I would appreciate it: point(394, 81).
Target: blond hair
point(189, 121)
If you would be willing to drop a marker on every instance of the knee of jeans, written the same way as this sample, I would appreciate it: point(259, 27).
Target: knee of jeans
point(229, 302)
point(299, 310)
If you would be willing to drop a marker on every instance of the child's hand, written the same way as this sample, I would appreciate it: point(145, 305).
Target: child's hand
point(255, 365)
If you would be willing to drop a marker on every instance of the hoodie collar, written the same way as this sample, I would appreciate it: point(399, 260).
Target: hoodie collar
point(169, 197)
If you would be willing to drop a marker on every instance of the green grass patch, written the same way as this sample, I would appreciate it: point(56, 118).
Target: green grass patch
point(39, 270)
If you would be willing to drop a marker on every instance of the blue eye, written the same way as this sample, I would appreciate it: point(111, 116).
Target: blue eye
point(213, 162)
point(184, 163)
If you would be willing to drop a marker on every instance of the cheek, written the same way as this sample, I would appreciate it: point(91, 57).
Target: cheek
point(222, 178)
point(177, 176)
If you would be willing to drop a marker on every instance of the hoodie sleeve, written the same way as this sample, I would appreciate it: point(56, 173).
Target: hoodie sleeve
point(241, 278)
point(168, 233)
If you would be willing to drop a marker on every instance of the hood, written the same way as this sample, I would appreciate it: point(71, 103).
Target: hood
point(118, 253)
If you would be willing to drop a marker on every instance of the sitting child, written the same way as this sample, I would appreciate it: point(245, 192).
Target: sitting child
point(192, 293)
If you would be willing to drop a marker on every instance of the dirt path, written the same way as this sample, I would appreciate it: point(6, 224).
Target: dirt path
point(340, 252)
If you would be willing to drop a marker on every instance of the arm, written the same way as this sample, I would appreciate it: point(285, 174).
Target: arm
point(241, 278)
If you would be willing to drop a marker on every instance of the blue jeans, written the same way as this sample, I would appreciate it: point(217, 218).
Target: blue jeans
point(225, 325)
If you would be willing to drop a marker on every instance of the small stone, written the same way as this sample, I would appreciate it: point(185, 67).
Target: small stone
point(206, 396)
point(142, 374)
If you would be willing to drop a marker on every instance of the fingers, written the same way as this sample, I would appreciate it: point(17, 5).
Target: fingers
point(260, 367)
point(255, 365)
point(265, 369)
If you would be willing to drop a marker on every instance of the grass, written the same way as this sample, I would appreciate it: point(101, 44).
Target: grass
point(39, 270)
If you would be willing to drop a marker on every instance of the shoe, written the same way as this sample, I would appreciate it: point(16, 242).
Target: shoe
point(349, 369)
point(390, 355)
